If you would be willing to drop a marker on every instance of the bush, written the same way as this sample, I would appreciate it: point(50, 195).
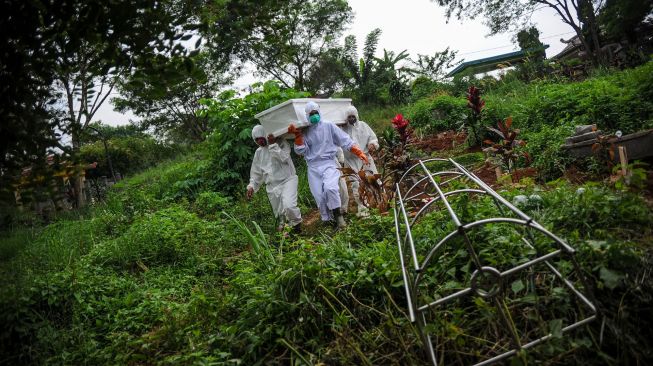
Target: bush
point(128, 155)
point(423, 87)
point(439, 113)
point(210, 204)
point(618, 101)
point(170, 236)
point(544, 148)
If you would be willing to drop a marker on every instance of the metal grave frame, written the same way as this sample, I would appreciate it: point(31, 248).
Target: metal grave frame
point(410, 190)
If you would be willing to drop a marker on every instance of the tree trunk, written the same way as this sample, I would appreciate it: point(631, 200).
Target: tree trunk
point(586, 14)
point(78, 181)
point(300, 77)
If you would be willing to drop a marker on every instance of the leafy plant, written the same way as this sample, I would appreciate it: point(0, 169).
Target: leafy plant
point(395, 156)
point(436, 114)
point(634, 179)
point(507, 147)
point(473, 122)
point(604, 150)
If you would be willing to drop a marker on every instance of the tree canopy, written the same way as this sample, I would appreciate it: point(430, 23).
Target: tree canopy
point(168, 100)
point(511, 15)
point(284, 40)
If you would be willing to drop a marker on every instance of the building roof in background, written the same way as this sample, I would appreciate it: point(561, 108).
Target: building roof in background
point(573, 45)
point(492, 63)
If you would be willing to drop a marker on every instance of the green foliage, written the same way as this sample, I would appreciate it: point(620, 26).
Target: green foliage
point(289, 38)
point(439, 113)
point(128, 154)
point(166, 95)
point(544, 147)
point(48, 42)
point(619, 101)
point(171, 236)
point(373, 80)
point(434, 66)
point(423, 87)
point(230, 146)
point(210, 204)
point(622, 18)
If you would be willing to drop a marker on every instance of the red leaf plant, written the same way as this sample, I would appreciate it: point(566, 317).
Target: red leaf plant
point(506, 148)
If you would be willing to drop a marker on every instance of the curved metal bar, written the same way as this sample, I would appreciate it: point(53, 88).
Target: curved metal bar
point(409, 299)
point(413, 279)
point(453, 215)
point(418, 164)
point(408, 232)
point(497, 196)
point(425, 178)
point(469, 190)
point(429, 256)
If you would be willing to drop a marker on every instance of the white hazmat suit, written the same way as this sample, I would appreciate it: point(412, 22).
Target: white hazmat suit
point(273, 166)
point(362, 135)
point(319, 148)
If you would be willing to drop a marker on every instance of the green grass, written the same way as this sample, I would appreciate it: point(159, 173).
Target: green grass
point(159, 275)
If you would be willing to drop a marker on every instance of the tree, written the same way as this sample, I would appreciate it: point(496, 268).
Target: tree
point(129, 35)
point(28, 127)
point(393, 77)
point(508, 15)
point(168, 100)
point(434, 67)
point(74, 49)
point(620, 19)
point(529, 42)
point(285, 40)
point(359, 71)
point(329, 74)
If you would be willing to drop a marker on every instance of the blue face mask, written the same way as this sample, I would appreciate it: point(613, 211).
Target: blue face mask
point(314, 118)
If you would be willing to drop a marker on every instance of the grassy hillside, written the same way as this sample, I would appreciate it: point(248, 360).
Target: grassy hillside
point(169, 271)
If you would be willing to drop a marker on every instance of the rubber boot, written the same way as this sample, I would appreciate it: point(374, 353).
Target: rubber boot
point(297, 229)
point(340, 221)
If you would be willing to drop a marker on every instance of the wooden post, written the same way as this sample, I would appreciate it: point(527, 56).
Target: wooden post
point(623, 159)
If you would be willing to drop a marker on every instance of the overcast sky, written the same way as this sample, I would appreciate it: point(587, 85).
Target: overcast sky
point(420, 27)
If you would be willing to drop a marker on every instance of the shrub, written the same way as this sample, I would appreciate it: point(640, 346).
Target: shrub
point(618, 101)
point(128, 155)
point(544, 148)
point(170, 236)
point(423, 87)
point(440, 113)
point(210, 204)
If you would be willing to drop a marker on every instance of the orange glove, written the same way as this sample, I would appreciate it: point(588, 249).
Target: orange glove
point(299, 138)
point(358, 152)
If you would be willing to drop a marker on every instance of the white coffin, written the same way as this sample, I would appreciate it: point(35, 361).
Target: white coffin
point(276, 120)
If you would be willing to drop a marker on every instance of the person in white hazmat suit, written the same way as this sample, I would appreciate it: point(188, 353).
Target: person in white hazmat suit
point(273, 166)
point(361, 133)
point(318, 144)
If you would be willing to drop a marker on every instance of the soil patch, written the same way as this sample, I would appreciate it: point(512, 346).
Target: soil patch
point(519, 174)
point(487, 174)
point(442, 141)
point(575, 176)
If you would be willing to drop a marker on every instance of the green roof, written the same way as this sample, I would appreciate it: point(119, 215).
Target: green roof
point(492, 63)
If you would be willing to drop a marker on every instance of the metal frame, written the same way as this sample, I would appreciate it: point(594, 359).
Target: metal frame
point(413, 271)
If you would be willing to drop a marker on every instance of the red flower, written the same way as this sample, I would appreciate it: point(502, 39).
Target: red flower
point(399, 122)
